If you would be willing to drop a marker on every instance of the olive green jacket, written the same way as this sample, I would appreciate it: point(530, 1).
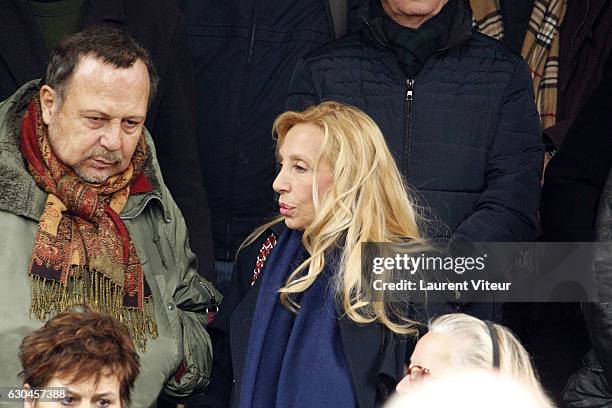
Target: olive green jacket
point(156, 226)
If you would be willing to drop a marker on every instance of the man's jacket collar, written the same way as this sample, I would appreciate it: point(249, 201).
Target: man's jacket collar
point(19, 193)
point(460, 31)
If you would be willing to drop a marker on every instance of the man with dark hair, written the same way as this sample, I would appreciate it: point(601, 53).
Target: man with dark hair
point(31, 29)
point(88, 353)
point(87, 219)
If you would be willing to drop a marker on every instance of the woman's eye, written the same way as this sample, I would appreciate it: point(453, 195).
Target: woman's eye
point(104, 403)
point(299, 168)
point(67, 401)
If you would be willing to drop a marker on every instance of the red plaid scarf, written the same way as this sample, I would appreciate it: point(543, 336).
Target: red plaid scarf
point(82, 250)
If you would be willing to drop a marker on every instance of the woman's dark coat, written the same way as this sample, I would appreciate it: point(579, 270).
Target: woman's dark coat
point(375, 356)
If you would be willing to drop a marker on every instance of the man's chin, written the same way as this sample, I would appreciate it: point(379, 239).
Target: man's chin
point(92, 176)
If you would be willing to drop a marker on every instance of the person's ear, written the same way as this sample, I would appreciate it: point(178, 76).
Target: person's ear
point(28, 402)
point(49, 102)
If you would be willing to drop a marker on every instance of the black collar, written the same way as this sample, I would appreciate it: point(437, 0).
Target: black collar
point(460, 31)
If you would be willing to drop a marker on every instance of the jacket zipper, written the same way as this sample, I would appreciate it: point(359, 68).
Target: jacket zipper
point(211, 313)
point(213, 300)
point(142, 207)
point(230, 206)
point(408, 124)
point(156, 239)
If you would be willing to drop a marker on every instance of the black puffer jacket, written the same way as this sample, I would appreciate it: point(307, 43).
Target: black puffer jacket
point(465, 133)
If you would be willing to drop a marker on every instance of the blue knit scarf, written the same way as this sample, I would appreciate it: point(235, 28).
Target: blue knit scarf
point(295, 360)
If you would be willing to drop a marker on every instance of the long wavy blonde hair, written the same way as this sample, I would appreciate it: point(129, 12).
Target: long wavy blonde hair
point(367, 202)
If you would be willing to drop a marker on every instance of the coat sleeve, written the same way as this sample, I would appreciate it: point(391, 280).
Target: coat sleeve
point(218, 394)
point(194, 298)
point(302, 89)
point(507, 208)
point(173, 130)
point(598, 315)
point(576, 175)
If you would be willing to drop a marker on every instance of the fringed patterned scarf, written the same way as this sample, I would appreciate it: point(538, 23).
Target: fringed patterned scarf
point(540, 47)
point(82, 250)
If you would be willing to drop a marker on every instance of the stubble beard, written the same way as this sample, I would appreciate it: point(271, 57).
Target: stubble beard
point(101, 177)
point(90, 178)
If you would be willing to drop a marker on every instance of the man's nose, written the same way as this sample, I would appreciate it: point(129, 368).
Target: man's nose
point(111, 139)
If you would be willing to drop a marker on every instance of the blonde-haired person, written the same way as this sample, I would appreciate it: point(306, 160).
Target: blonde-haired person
point(305, 331)
point(458, 342)
point(471, 388)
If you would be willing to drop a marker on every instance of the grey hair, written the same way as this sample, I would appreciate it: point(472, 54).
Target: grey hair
point(475, 347)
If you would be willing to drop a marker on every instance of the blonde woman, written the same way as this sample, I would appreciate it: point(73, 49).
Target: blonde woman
point(304, 330)
point(458, 342)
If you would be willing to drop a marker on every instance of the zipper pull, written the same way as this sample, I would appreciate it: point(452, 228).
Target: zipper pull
point(409, 89)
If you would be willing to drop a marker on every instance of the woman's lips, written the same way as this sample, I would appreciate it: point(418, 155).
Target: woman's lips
point(285, 209)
